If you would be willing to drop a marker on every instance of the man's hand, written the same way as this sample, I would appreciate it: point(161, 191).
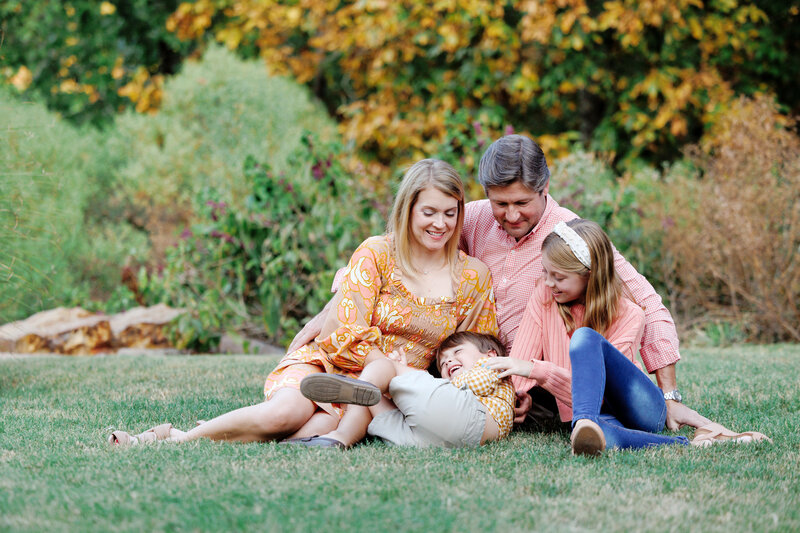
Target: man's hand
point(310, 330)
point(679, 415)
point(524, 404)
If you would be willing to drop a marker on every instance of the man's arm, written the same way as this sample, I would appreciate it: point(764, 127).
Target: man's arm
point(678, 414)
point(310, 330)
point(314, 326)
point(660, 340)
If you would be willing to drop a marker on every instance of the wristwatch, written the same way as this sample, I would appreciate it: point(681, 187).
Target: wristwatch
point(673, 395)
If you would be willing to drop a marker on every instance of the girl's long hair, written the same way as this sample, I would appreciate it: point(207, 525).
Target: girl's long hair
point(421, 175)
point(603, 289)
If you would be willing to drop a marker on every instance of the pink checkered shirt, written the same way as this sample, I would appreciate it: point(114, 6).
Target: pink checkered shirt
point(516, 266)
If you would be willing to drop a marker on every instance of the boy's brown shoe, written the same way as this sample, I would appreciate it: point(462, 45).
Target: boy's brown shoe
point(332, 388)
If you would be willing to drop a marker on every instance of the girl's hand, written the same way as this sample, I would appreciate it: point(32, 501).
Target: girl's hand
point(508, 366)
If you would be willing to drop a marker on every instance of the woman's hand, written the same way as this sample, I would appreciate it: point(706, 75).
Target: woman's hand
point(508, 366)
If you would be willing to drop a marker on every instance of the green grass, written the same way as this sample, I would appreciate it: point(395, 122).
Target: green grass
point(58, 474)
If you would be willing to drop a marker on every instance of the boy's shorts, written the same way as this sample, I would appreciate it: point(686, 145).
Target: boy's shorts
point(430, 412)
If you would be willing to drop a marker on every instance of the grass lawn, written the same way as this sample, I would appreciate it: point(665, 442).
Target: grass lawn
point(58, 474)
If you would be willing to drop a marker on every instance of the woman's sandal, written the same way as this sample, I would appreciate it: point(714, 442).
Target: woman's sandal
point(715, 433)
point(153, 434)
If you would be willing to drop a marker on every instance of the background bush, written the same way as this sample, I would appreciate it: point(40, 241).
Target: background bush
point(629, 79)
point(90, 216)
point(266, 265)
point(730, 226)
point(215, 113)
point(88, 60)
point(80, 208)
point(51, 254)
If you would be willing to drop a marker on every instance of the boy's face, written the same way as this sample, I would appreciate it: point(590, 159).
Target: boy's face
point(461, 357)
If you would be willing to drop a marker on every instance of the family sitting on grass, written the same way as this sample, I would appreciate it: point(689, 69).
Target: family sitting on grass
point(459, 286)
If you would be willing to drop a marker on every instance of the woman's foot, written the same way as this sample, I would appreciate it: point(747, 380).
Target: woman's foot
point(587, 438)
point(154, 434)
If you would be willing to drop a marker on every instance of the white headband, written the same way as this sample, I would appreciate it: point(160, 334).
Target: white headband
point(575, 243)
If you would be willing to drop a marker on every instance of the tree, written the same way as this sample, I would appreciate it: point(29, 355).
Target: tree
point(86, 59)
point(630, 78)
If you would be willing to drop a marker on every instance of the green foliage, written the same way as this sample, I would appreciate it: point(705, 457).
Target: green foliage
point(89, 59)
point(266, 265)
point(215, 113)
point(630, 79)
point(78, 208)
point(50, 255)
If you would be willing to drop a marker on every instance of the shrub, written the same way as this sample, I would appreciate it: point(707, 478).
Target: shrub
point(629, 78)
point(215, 113)
point(731, 225)
point(81, 209)
point(50, 254)
point(263, 267)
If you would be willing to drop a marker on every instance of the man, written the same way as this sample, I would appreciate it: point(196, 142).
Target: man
point(506, 232)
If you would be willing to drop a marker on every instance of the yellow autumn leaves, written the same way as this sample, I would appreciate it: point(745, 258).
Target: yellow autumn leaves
point(401, 67)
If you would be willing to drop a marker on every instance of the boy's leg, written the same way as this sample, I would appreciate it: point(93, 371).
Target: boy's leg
point(379, 373)
point(438, 413)
point(353, 425)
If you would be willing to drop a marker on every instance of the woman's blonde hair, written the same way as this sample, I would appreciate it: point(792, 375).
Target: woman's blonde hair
point(603, 289)
point(421, 175)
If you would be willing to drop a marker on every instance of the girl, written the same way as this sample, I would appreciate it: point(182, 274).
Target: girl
point(578, 341)
point(409, 289)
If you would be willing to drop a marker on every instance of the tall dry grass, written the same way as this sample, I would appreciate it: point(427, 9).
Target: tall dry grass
point(731, 225)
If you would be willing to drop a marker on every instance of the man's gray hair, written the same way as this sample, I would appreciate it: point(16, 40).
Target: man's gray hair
point(514, 158)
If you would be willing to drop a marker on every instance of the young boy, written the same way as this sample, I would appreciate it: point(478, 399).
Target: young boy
point(468, 406)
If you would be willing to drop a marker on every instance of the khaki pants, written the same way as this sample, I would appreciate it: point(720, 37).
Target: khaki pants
point(430, 412)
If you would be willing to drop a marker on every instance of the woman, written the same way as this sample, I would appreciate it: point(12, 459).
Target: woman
point(407, 289)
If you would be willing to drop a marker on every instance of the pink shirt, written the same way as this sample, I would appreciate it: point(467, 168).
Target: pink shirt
point(517, 265)
point(542, 337)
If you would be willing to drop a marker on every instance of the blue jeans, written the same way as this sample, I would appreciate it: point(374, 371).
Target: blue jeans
point(608, 389)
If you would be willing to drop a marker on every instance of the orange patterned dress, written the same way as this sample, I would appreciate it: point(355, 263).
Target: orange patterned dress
point(373, 309)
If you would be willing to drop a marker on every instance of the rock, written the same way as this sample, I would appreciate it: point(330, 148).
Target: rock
point(76, 331)
point(142, 327)
point(69, 331)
